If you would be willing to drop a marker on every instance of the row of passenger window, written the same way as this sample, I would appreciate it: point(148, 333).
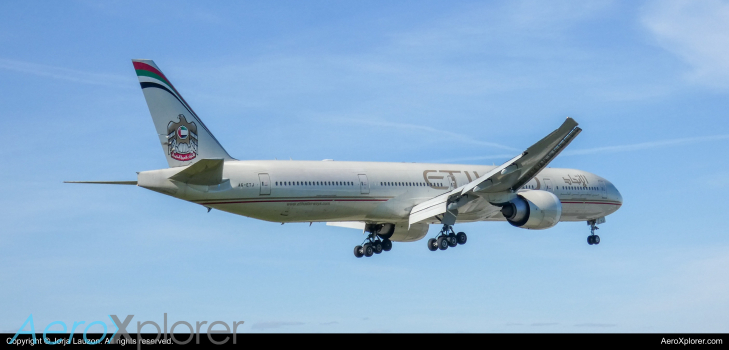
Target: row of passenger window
point(589, 188)
point(416, 184)
point(314, 183)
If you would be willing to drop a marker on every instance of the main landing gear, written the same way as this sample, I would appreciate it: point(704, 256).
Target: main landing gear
point(593, 238)
point(372, 245)
point(446, 238)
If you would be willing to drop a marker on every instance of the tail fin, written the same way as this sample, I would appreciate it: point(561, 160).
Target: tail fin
point(184, 137)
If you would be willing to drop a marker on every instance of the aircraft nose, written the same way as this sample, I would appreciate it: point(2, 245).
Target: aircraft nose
point(616, 194)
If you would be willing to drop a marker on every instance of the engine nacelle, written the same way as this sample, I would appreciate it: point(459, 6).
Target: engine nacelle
point(535, 210)
point(399, 232)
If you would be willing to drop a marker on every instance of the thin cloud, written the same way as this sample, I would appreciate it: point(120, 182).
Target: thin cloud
point(595, 325)
point(608, 149)
point(72, 75)
point(695, 32)
point(645, 145)
point(275, 324)
point(428, 129)
point(543, 324)
point(465, 159)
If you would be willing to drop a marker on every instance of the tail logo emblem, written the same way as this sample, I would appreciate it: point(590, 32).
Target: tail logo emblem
point(182, 139)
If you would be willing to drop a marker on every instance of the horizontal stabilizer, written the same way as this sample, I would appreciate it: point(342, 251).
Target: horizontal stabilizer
point(206, 172)
point(103, 182)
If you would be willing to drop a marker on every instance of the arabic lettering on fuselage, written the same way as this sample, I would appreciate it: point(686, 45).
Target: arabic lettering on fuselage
point(577, 179)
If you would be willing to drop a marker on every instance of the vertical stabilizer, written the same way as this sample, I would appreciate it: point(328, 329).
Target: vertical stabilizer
point(184, 137)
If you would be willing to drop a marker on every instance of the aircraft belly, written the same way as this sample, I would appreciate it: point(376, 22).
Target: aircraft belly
point(586, 209)
point(301, 210)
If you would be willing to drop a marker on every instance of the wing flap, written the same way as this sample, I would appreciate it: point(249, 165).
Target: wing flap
point(432, 207)
point(482, 183)
point(359, 225)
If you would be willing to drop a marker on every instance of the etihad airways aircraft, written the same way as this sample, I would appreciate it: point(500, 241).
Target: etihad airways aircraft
point(390, 202)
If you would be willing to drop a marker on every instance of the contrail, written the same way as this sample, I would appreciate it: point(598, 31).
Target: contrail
point(76, 76)
point(607, 149)
point(453, 135)
point(645, 145)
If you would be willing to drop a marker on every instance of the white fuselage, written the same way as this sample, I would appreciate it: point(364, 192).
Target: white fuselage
point(313, 191)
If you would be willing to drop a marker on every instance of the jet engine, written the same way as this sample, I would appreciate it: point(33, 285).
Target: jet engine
point(535, 210)
point(400, 233)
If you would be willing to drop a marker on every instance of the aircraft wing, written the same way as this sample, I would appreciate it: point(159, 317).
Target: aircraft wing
point(507, 177)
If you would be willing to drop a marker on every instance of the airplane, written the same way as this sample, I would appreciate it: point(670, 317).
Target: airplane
point(389, 202)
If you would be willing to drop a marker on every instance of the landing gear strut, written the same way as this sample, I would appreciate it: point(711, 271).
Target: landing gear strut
point(372, 245)
point(593, 238)
point(446, 238)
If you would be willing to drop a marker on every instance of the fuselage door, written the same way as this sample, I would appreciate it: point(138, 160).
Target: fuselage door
point(451, 182)
point(603, 190)
point(364, 185)
point(548, 185)
point(265, 183)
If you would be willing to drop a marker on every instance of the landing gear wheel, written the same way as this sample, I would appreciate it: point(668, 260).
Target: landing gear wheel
point(358, 251)
point(386, 245)
point(589, 240)
point(377, 247)
point(595, 239)
point(443, 243)
point(452, 242)
point(367, 250)
point(461, 238)
point(432, 244)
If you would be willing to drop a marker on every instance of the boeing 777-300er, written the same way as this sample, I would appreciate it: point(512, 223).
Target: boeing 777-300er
point(391, 202)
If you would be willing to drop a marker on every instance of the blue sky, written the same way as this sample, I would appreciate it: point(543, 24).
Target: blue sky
point(418, 81)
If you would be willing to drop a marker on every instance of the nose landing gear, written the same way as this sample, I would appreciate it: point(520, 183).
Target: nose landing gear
point(446, 238)
point(593, 238)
